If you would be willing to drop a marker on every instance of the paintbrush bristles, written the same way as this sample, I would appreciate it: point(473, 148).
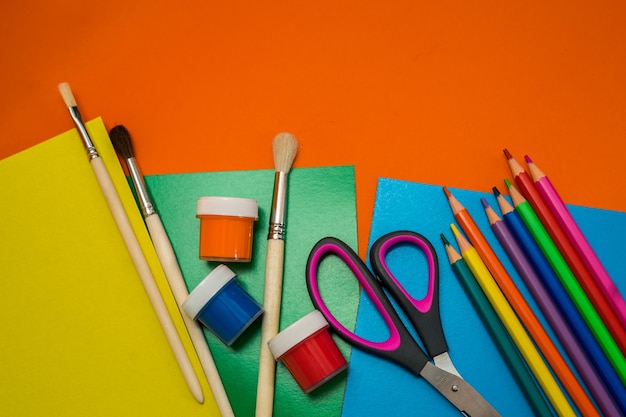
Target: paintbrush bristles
point(66, 93)
point(121, 141)
point(285, 147)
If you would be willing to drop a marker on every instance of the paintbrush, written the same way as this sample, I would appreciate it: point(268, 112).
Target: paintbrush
point(122, 142)
point(285, 147)
point(132, 244)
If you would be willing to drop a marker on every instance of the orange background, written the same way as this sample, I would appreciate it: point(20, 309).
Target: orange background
point(416, 90)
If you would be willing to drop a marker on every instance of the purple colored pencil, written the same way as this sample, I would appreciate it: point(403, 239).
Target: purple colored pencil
point(550, 311)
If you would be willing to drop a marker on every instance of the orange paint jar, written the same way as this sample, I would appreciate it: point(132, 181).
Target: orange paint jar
point(226, 228)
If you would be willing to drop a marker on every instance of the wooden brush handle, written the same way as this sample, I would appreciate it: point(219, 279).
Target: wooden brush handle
point(139, 260)
point(269, 328)
point(174, 276)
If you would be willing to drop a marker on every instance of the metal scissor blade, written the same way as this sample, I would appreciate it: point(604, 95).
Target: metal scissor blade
point(444, 362)
point(461, 394)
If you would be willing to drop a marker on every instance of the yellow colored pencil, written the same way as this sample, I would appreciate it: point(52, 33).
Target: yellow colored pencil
point(515, 328)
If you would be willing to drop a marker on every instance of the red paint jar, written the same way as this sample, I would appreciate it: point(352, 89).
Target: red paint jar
point(226, 228)
point(307, 349)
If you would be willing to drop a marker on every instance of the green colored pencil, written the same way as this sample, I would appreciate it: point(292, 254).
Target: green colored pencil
point(569, 282)
point(498, 332)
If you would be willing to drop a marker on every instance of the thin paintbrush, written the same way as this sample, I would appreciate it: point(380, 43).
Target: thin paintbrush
point(132, 244)
point(285, 147)
point(121, 139)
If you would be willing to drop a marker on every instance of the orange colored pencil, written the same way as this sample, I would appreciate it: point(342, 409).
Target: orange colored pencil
point(521, 307)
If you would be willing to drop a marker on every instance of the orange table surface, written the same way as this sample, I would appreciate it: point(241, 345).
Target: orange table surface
point(421, 91)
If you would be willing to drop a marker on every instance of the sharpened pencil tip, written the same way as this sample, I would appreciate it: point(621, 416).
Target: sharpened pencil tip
point(484, 202)
point(496, 192)
point(507, 183)
point(527, 159)
point(507, 153)
point(446, 191)
point(455, 231)
point(444, 240)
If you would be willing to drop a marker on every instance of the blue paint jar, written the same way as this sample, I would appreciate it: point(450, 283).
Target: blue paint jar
point(222, 305)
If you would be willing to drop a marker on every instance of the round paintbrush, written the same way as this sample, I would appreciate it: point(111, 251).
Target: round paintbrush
point(121, 139)
point(285, 147)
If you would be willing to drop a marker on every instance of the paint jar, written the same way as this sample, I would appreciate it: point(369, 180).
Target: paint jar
point(222, 305)
point(307, 349)
point(226, 225)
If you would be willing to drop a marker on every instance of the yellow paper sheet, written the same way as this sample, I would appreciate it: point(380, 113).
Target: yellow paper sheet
point(78, 335)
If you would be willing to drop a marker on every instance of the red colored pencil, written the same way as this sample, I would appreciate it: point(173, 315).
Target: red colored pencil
point(521, 307)
point(569, 253)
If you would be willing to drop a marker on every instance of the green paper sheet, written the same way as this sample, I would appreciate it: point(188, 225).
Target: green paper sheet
point(321, 202)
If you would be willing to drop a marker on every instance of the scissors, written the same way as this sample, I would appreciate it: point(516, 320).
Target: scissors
point(423, 314)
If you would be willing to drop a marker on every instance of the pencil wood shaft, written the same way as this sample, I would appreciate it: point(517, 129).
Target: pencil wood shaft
point(167, 257)
point(269, 328)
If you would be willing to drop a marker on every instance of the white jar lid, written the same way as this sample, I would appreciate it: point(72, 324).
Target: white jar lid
point(207, 288)
point(296, 333)
point(227, 206)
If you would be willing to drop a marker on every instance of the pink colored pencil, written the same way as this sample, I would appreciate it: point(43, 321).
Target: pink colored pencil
point(578, 239)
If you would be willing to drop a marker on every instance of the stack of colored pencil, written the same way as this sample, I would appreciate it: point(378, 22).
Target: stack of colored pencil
point(569, 285)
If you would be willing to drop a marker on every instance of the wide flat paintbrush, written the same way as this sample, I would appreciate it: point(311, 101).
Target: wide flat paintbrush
point(122, 142)
point(285, 147)
point(132, 244)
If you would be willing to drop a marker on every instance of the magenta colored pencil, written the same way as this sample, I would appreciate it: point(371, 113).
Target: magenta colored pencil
point(578, 239)
point(558, 324)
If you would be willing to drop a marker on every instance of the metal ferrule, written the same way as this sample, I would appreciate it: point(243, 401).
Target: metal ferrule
point(140, 188)
point(279, 203)
point(92, 153)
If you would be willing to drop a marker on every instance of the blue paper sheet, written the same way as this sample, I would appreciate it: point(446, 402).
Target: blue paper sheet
point(379, 388)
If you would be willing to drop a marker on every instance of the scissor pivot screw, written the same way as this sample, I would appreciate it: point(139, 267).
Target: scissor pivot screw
point(455, 388)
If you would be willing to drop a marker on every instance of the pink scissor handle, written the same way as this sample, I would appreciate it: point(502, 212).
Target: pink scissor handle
point(399, 347)
point(394, 239)
point(423, 313)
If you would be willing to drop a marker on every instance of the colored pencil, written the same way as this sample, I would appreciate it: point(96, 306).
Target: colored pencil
point(498, 332)
point(554, 201)
point(522, 309)
point(514, 327)
point(569, 253)
point(565, 305)
point(558, 325)
point(568, 280)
